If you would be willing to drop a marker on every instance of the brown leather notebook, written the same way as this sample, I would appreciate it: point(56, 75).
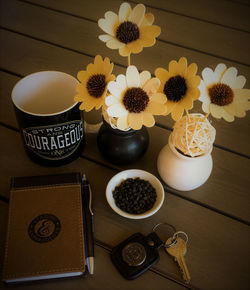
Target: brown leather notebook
point(45, 236)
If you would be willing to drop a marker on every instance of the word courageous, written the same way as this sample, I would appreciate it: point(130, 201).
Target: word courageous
point(53, 137)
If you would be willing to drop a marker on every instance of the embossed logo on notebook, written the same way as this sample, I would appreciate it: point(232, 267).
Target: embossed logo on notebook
point(44, 228)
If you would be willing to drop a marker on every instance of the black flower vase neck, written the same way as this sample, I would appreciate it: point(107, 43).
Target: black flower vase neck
point(122, 147)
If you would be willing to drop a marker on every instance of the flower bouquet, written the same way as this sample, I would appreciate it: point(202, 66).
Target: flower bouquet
point(130, 101)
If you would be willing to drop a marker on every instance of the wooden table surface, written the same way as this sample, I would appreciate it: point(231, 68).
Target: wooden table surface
point(62, 35)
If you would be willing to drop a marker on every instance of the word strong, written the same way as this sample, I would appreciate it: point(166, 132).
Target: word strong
point(54, 142)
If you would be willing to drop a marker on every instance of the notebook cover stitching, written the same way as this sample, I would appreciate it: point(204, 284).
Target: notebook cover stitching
point(81, 268)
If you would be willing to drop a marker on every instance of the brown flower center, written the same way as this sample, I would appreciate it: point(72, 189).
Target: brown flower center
point(135, 100)
point(221, 94)
point(96, 85)
point(175, 88)
point(127, 32)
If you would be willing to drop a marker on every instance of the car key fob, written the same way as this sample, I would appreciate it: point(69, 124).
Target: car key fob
point(136, 254)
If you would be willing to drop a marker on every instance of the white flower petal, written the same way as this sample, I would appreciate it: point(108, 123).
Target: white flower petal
point(239, 83)
point(208, 76)
point(227, 117)
point(116, 110)
point(105, 37)
point(132, 76)
point(205, 107)
point(220, 68)
point(216, 111)
point(137, 14)
point(144, 77)
point(152, 86)
point(106, 26)
point(229, 76)
point(203, 93)
point(122, 122)
point(111, 100)
point(121, 81)
point(114, 44)
point(114, 89)
point(124, 12)
point(111, 17)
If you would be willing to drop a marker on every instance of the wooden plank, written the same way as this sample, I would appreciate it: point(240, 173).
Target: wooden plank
point(223, 12)
point(227, 166)
point(177, 29)
point(3, 228)
point(34, 56)
point(103, 269)
point(234, 15)
point(210, 233)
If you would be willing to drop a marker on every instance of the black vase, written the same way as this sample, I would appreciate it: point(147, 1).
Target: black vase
point(122, 147)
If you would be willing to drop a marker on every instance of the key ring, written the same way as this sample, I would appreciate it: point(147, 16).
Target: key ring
point(176, 234)
point(172, 227)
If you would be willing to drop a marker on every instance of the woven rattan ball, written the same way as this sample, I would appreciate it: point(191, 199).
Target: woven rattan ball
point(193, 135)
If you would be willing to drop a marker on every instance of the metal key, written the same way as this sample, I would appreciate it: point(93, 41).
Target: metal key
point(177, 250)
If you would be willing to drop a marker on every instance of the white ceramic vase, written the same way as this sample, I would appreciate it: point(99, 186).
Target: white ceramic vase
point(182, 172)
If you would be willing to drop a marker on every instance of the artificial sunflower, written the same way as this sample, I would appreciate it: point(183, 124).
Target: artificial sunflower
point(222, 93)
point(179, 85)
point(133, 99)
point(130, 30)
point(92, 89)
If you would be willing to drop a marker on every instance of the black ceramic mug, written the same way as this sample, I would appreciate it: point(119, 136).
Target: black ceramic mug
point(50, 122)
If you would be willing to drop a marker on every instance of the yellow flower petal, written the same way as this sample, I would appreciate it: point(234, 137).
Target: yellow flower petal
point(151, 86)
point(159, 98)
point(235, 109)
point(82, 75)
point(87, 106)
point(124, 51)
point(148, 119)
point(227, 117)
point(148, 19)
point(186, 103)
point(144, 77)
point(177, 112)
point(193, 82)
point(135, 120)
point(242, 95)
point(137, 14)
point(135, 46)
point(182, 66)
point(148, 34)
point(162, 74)
point(216, 111)
point(155, 108)
point(78, 98)
point(170, 106)
point(124, 12)
point(173, 67)
point(192, 69)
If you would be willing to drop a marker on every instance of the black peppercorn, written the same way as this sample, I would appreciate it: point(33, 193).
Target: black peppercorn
point(134, 195)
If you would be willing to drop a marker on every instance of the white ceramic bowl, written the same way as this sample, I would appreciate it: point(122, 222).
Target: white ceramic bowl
point(132, 173)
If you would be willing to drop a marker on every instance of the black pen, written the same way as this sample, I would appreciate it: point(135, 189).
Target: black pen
point(89, 226)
